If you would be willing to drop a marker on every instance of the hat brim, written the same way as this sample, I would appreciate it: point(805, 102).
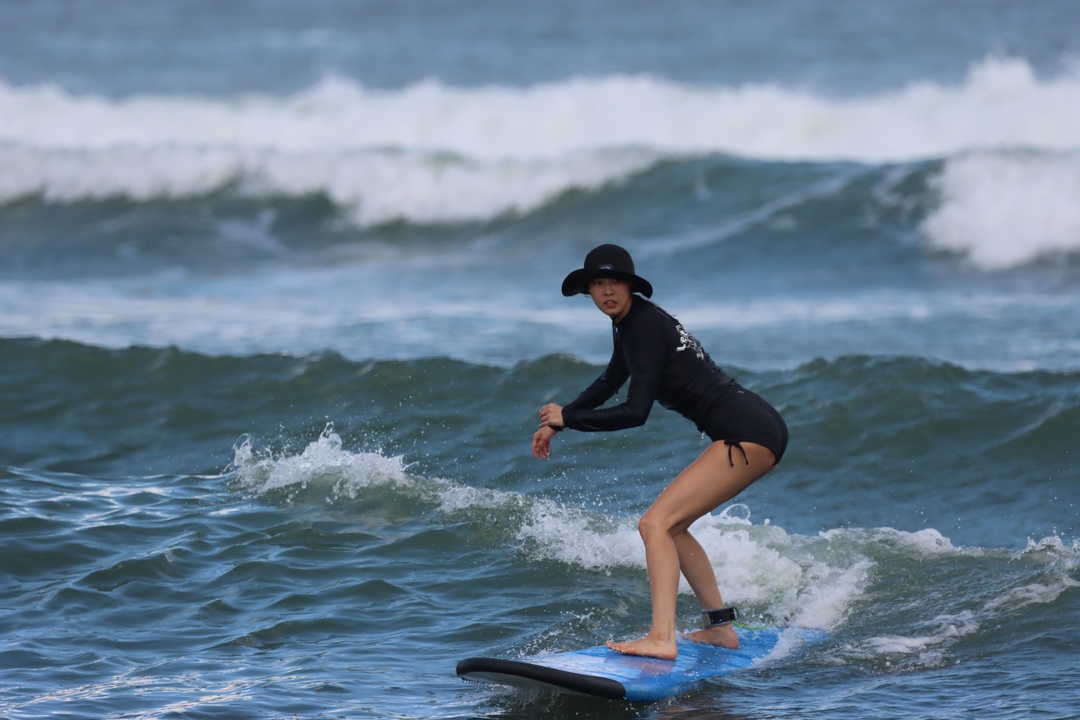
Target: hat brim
point(577, 282)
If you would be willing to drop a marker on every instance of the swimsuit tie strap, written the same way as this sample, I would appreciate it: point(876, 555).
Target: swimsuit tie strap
point(738, 445)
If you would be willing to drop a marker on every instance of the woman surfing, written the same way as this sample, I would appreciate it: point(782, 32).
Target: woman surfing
point(664, 363)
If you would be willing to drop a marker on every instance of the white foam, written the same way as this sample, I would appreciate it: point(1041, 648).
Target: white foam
point(930, 647)
point(335, 473)
point(1007, 209)
point(1053, 550)
point(322, 463)
point(370, 186)
point(806, 581)
point(434, 153)
point(785, 577)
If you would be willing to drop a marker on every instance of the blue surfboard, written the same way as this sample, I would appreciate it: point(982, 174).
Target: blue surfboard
point(604, 673)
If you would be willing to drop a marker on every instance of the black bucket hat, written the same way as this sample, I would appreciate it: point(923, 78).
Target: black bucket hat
point(610, 261)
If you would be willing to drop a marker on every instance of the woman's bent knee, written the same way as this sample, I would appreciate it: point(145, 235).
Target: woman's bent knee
point(649, 525)
point(654, 525)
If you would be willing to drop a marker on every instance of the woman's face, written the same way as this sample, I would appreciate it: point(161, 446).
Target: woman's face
point(611, 296)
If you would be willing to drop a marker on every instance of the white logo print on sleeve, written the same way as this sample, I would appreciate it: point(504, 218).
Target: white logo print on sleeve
point(688, 342)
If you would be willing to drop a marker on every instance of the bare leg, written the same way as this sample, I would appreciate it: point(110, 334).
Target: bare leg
point(697, 568)
point(707, 483)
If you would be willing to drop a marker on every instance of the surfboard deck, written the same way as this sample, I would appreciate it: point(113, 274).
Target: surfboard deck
point(601, 672)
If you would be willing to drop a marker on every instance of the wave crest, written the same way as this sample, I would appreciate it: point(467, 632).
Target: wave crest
point(436, 153)
point(1007, 209)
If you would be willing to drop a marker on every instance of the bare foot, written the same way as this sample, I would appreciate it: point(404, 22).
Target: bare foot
point(724, 636)
point(647, 647)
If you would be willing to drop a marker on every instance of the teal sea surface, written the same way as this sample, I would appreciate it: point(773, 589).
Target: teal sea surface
point(279, 302)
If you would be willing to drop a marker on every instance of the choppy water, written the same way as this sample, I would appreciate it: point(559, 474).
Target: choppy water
point(279, 300)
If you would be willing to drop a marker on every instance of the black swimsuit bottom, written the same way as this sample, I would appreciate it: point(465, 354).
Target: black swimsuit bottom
point(742, 416)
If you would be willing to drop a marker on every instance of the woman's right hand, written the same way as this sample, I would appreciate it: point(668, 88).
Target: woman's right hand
point(541, 444)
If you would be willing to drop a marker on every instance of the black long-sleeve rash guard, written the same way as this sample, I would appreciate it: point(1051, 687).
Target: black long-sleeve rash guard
point(663, 362)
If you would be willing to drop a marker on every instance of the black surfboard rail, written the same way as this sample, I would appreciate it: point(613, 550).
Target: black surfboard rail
point(506, 671)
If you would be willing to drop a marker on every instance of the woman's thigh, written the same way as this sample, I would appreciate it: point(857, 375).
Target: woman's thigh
point(710, 481)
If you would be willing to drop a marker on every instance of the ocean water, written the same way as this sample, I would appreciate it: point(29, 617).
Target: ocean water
point(279, 301)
